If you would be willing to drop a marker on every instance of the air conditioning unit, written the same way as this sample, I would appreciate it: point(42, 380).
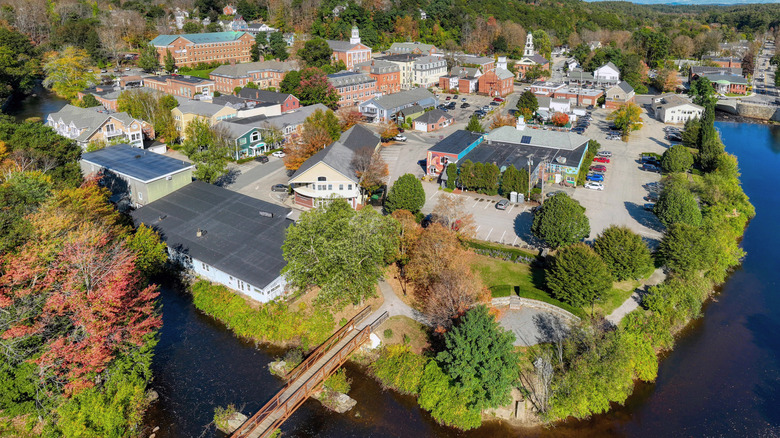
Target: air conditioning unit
point(168, 178)
point(561, 160)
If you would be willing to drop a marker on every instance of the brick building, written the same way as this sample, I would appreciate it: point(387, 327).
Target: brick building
point(387, 75)
point(264, 74)
point(191, 49)
point(353, 88)
point(498, 82)
point(351, 52)
point(182, 86)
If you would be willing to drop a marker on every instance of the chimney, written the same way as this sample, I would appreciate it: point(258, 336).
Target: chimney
point(520, 123)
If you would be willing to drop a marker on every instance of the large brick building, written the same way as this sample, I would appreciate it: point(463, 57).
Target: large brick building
point(351, 52)
point(287, 102)
point(498, 82)
point(191, 49)
point(182, 86)
point(264, 74)
point(353, 88)
point(387, 75)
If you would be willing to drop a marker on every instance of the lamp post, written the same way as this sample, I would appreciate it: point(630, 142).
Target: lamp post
point(530, 163)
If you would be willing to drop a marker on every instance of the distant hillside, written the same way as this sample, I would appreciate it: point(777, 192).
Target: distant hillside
point(696, 2)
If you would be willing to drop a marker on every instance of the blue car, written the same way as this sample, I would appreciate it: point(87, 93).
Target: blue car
point(595, 177)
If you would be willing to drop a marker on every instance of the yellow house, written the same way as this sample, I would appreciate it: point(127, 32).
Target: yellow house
point(187, 112)
point(329, 172)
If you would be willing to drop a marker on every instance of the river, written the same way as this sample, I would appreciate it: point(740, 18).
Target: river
point(722, 379)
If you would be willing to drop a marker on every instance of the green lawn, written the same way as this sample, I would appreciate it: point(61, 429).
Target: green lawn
point(616, 296)
point(199, 73)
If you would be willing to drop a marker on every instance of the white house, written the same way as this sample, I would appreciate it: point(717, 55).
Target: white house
point(554, 105)
point(428, 69)
point(223, 236)
point(571, 64)
point(607, 73)
point(86, 125)
point(385, 107)
point(672, 108)
point(433, 120)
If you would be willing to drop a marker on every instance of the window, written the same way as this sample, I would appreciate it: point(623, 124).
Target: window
point(255, 136)
point(321, 178)
point(349, 186)
point(110, 127)
point(341, 187)
point(330, 186)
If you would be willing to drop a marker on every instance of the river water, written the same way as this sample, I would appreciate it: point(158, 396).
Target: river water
point(722, 379)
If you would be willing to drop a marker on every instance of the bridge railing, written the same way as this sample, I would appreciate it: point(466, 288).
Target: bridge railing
point(325, 346)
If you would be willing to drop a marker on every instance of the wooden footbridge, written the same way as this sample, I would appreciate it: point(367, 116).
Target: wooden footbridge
point(308, 376)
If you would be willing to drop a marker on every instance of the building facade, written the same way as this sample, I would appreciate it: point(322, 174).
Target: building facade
point(264, 74)
point(353, 88)
point(450, 150)
point(350, 52)
point(189, 111)
point(672, 108)
point(191, 49)
point(432, 120)
point(619, 95)
point(385, 108)
point(182, 86)
point(386, 74)
point(427, 70)
point(497, 83)
point(287, 102)
point(88, 125)
point(416, 48)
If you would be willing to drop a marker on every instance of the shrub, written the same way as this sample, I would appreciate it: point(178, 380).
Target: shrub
point(676, 159)
point(624, 252)
point(338, 382)
point(578, 276)
point(561, 221)
point(400, 369)
point(406, 194)
point(388, 333)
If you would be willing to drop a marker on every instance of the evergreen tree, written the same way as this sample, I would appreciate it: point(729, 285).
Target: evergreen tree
point(452, 175)
point(149, 59)
point(170, 63)
point(474, 125)
point(490, 176)
point(277, 46)
point(676, 159)
point(677, 204)
point(578, 276)
point(561, 221)
point(510, 181)
point(466, 177)
point(478, 182)
point(528, 101)
point(625, 253)
point(406, 194)
point(690, 135)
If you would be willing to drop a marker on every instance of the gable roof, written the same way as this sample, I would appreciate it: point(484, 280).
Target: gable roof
point(724, 78)
point(237, 240)
point(263, 95)
point(536, 58)
point(433, 116)
point(625, 87)
point(697, 70)
point(87, 120)
point(410, 47)
point(197, 38)
point(609, 65)
point(670, 100)
point(347, 78)
point(339, 154)
point(341, 46)
point(379, 66)
point(135, 163)
point(502, 73)
point(235, 130)
point(244, 69)
point(282, 121)
point(200, 108)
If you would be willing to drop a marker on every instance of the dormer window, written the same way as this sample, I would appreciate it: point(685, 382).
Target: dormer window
point(321, 178)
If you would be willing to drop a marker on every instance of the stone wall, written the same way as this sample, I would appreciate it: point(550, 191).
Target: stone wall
point(515, 302)
point(762, 112)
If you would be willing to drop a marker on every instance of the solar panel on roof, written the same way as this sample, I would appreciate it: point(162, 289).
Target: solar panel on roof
point(526, 139)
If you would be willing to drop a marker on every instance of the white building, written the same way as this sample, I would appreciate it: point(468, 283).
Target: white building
point(86, 125)
point(427, 70)
point(223, 236)
point(607, 73)
point(673, 108)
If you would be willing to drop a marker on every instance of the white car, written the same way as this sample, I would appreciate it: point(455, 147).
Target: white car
point(399, 138)
point(594, 185)
point(279, 154)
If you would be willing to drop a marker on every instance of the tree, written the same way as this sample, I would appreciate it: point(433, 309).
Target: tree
point(19, 61)
point(625, 253)
point(502, 120)
point(528, 101)
point(326, 120)
point(682, 47)
point(559, 119)
point(151, 253)
point(258, 46)
point(535, 72)
point(315, 53)
point(88, 101)
point(149, 59)
point(474, 125)
point(702, 91)
point(560, 221)
point(511, 181)
point(406, 194)
point(748, 63)
point(690, 134)
point(349, 118)
point(452, 175)
point(68, 72)
point(627, 118)
point(170, 63)
point(152, 107)
point(709, 144)
point(686, 248)
point(542, 43)
point(321, 250)
point(290, 82)
point(666, 80)
point(278, 46)
point(388, 131)
point(676, 159)
point(370, 168)
point(450, 211)
point(208, 148)
point(578, 276)
point(315, 88)
point(480, 360)
point(312, 139)
point(677, 204)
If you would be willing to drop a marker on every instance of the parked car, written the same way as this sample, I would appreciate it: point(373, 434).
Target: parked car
point(486, 108)
point(551, 194)
point(464, 105)
point(604, 154)
point(399, 138)
point(594, 185)
point(601, 160)
point(651, 168)
point(463, 100)
point(649, 207)
point(498, 99)
point(494, 104)
point(279, 188)
point(595, 177)
point(502, 204)
point(261, 159)
point(279, 154)
point(448, 98)
point(599, 168)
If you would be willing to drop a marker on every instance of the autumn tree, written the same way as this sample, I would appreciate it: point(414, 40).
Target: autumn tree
point(68, 72)
point(627, 118)
point(559, 119)
point(388, 131)
point(320, 129)
point(502, 120)
point(451, 212)
point(666, 80)
point(349, 117)
point(370, 168)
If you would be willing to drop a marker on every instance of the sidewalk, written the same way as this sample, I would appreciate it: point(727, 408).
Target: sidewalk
point(632, 303)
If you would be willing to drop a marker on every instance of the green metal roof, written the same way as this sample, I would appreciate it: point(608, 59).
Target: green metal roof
point(198, 38)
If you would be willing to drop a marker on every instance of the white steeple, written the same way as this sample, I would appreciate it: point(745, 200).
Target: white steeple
point(529, 45)
point(355, 39)
point(501, 63)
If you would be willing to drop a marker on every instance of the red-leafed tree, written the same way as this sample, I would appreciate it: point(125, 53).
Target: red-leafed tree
point(559, 119)
point(75, 286)
point(315, 88)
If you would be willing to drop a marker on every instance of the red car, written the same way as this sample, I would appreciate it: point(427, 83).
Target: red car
point(601, 160)
point(498, 99)
point(448, 98)
point(598, 168)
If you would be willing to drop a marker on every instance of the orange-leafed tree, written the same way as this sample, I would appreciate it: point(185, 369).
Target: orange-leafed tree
point(503, 120)
point(312, 140)
point(370, 169)
point(559, 119)
point(388, 131)
point(349, 118)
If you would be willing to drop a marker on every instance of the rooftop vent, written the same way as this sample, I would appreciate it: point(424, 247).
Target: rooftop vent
point(200, 233)
point(561, 160)
point(266, 213)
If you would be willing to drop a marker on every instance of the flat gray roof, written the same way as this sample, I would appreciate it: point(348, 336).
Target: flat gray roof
point(135, 163)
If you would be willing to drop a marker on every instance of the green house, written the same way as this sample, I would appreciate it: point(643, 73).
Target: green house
point(247, 140)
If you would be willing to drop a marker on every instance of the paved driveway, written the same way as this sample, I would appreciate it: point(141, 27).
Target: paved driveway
point(533, 326)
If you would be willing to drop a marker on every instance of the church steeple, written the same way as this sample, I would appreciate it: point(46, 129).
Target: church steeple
point(355, 39)
point(529, 45)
